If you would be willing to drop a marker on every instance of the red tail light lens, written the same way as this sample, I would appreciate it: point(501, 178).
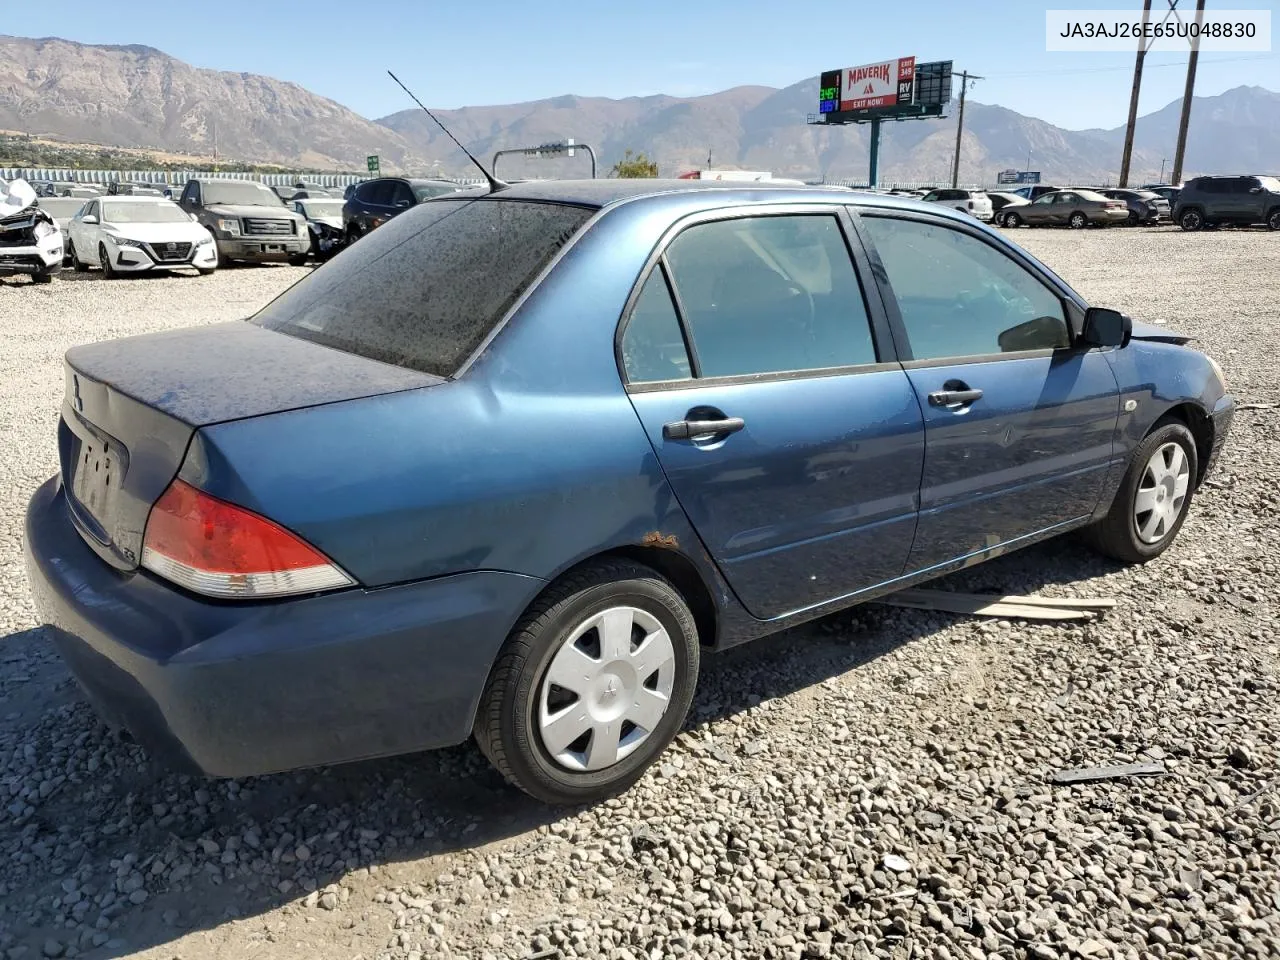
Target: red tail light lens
point(218, 549)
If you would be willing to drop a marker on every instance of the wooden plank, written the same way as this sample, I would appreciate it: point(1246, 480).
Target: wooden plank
point(986, 609)
point(1090, 774)
point(1066, 603)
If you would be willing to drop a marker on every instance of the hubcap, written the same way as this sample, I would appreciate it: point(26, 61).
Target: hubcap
point(1161, 493)
point(606, 689)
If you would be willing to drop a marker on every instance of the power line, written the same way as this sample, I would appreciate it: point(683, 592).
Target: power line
point(1090, 70)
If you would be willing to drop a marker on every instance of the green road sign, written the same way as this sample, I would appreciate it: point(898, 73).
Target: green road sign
point(373, 163)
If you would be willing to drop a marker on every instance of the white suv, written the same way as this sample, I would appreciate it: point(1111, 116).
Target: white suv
point(974, 202)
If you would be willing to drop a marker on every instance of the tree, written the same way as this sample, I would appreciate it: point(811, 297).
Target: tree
point(635, 166)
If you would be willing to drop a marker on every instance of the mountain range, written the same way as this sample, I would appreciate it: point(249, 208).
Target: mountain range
point(136, 96)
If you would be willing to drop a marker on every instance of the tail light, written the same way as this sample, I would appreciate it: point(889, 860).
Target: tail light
point(217, 549)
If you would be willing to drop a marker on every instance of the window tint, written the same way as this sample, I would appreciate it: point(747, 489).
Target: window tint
point(652, 344)
point(375, 191)
point(1046, 199)
point(400, 193)
point(770, 294)
point(959, 296)
point(425, 289)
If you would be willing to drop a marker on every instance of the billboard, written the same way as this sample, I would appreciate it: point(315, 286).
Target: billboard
point(1018, 176)
point(884, 84)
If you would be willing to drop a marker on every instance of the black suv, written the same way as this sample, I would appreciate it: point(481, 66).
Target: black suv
point(374, 202)
point(1241, 201)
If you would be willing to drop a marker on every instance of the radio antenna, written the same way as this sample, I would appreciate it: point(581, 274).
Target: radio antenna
point(494, 183)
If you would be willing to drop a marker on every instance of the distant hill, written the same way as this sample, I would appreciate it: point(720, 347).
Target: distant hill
point(133, 96)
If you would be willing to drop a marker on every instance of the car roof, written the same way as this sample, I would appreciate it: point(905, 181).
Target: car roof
point(126, 198)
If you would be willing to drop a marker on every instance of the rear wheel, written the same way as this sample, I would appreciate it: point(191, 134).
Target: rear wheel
point(104, 261)
point(1134, 219)
point(1078, 221)
point(1191, 220)
point(1153, 498)
point(1012, 220)
point(592, 684)
point(1273, 219)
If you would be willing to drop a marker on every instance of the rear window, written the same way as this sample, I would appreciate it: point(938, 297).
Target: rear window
point(425, 289)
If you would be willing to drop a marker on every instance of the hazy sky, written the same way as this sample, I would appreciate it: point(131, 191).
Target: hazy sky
point(457, 54)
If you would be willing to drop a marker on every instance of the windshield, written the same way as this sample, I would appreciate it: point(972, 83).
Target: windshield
point(239, 192)
point(160, 211)
point(1270, 183)
point(322, 208)
point(425, 289)
point(425, 191)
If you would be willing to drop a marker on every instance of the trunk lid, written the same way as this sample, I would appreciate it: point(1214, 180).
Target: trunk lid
point(132, 405)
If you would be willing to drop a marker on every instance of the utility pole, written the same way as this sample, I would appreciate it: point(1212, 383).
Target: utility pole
point(1163, 160)
point(964, 83)
point(1180, 152)
point(1127, 156)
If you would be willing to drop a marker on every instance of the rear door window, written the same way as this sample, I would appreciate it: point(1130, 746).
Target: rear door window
point(424, 290)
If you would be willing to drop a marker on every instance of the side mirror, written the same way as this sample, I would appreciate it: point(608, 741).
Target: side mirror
point(1255, 189)
point(89, 219)
point(1106, 328)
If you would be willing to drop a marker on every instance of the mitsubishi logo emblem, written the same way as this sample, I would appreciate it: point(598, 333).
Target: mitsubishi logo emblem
point(611, 687)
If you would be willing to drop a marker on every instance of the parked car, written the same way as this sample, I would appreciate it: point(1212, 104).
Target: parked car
point(84, 191)
point(324, 223)
point(1144, 205)
point(247, 220)
point(30, 241)
point(1000, 199)
point(313, 193)
point(1170, 193)
point(1237, 201)
point(1073, 208)
point(62, 209)
point(374, 202)
point(132, 190)
point(976, 203)
point(285, 193)
point(360, 526)
point(138, 235)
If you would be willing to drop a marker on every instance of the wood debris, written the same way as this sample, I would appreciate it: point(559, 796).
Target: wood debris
point(1090, 774)
point(996, 605)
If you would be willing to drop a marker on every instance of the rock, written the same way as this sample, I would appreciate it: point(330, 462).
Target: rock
point(52, 949)
point(896, 863)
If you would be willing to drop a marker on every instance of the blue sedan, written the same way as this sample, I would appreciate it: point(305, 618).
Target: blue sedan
point(509, 465)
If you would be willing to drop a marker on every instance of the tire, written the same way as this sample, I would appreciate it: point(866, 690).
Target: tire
point(1131, 536)
point(354, 233)
point(104, 261)
point(76, 265)
point(1012, 221)
point(519, 691)
point(1273, 219)
point(300, 260)
point(1191, 221)
point(1134, 219)
point(44, 276)
point(205, 271)
point(1078, 221)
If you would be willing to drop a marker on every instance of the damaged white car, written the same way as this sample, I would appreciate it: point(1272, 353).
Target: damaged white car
point(30, 241)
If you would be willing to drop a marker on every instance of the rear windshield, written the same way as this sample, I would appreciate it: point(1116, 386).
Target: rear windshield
point(426, 288)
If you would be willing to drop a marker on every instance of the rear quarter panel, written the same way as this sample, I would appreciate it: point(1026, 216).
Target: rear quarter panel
point(531, 461)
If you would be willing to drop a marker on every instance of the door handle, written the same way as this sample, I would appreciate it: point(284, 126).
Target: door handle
point(688, 429)
point(954, 398)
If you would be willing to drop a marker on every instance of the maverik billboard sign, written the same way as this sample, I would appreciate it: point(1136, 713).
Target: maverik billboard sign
point(888, 83)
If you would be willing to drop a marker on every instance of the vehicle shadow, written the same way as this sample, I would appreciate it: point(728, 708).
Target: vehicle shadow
point(378, 813)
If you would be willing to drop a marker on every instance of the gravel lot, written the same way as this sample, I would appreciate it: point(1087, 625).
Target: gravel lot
point(874, 784)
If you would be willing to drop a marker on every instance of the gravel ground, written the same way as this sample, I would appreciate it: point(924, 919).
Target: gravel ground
point(874, 784)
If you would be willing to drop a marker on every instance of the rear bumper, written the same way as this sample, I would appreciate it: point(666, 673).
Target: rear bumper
point(229, 689)
point(263, 249)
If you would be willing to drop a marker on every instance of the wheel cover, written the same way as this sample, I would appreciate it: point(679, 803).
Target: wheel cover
point(1077, 220)
point(1162, 493)
point(606, 689)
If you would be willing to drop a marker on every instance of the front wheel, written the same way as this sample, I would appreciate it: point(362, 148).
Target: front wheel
point(205, 271)
point(104, 261)
point(1191, 221)
point(1134, 219)
point(1153, 498)
point(43, 276)
point(1273, 219)
point(1012, 220)
point(298, 260)
point(1078, 221)
point(592, 685)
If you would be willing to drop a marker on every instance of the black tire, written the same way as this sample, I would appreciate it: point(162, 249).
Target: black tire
point(505, 726)
point(1134, 219)
point(354, 232)
point(1011, 220)
point(1191, 220)
point(44, 276)
point(104, 261)
point(1116, 535)
point(76, 265)
point(299, 260)
point(1273, 219)
point(204, 271)
point(1077, 221)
